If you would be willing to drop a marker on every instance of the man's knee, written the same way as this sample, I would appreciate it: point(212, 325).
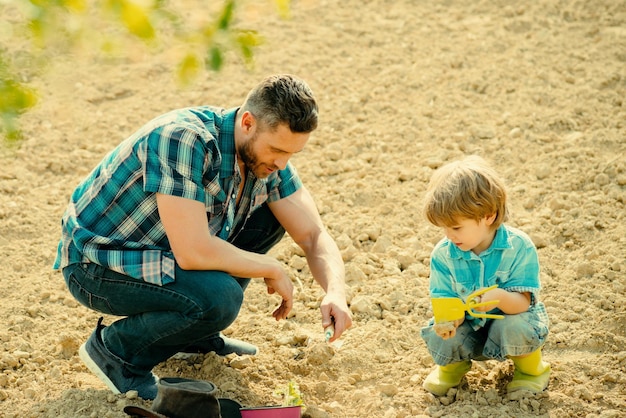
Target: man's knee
point(214, 295)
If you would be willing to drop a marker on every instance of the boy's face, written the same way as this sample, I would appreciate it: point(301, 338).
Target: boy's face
point(470, 234)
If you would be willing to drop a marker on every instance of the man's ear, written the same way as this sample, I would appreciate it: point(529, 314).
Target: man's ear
point(489, 219)
point(248, 122)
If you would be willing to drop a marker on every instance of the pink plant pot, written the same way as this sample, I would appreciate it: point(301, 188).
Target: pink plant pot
point(271, 412)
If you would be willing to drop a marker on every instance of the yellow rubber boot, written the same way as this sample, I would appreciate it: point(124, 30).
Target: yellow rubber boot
point(531, 373)
point(445, 377)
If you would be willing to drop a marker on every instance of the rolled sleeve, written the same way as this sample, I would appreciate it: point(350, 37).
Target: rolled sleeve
point(174, 161)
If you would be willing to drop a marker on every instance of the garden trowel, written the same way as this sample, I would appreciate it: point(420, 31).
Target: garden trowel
point(451, 309)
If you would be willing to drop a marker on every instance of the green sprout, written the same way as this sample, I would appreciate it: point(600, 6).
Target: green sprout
point(291, 394)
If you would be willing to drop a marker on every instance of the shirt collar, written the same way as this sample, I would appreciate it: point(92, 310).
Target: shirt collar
point(226, 143)
point(501, 241)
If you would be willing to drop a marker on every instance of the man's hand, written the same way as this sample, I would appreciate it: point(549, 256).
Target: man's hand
point(281, 284)
point(298, 214)
point(335, 312)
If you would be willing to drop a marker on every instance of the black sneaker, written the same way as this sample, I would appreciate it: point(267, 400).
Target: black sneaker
point(112, 371)
point(222, 346)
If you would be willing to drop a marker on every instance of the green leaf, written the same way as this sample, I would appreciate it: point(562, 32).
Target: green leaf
point(15, 98)
point(136, 20)
point(188, 69)
point(214, 60)
point(291, 394)
point(283, 8)
point(37, 26)
point(247, 41)
point(76, 6)
point(227, 15)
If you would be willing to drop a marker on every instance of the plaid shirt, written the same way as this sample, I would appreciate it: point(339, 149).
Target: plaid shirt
point(112, 216)
point(511, 262)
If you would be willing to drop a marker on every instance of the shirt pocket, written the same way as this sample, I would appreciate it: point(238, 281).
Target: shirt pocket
point(500, 277)
point(464, 285)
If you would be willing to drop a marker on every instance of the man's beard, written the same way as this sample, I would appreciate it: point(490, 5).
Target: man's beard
point(246, 154)
point(250, 160)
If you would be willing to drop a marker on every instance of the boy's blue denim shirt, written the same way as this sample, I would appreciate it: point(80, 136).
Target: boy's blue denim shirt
point(511, 262)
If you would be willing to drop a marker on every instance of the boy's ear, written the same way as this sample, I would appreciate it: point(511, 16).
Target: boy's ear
point(489, 219)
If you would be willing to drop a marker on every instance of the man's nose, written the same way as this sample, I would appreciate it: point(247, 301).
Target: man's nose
point(281, 163)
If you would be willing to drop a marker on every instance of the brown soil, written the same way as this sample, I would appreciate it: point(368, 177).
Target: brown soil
point(537, 88)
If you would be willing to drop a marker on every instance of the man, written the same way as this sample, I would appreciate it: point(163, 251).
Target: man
point(169, 228)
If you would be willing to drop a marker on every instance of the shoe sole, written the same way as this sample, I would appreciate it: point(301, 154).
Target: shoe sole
point(185, 356)
point(532, 388)
point(91, 365)
point(533, 384)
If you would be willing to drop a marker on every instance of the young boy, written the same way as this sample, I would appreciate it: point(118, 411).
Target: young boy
point(467, 199)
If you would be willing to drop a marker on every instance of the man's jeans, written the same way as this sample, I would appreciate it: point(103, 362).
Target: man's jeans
point(514, 335)
point(160, 321)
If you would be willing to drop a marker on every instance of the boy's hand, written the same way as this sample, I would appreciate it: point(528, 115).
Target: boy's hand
point(447, 329)
point(509, 302)
point(487, 297)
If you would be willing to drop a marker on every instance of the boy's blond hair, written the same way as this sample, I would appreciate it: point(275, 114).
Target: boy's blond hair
point(465, 189)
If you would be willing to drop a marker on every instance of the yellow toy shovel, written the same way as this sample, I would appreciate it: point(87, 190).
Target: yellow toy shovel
point(451, 309)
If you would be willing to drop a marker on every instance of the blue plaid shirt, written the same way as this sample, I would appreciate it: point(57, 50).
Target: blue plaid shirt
point(511, 262)
point(112, 216)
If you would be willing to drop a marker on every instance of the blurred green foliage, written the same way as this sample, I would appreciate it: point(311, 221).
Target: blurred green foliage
point(42, 30)
point(15, 98)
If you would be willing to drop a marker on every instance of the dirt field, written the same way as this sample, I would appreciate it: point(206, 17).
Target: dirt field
point(537, 88)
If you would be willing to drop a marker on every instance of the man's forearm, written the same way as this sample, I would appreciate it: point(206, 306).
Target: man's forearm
point(220, 255)
point(326, 264)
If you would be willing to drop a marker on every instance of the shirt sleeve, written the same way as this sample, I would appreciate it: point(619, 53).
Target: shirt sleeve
point(440, 274)
point(285, 184)
point(173, 162)
point(523, 275)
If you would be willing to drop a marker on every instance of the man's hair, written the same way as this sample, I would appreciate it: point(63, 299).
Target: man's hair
point(283, 99)
point(465, 189)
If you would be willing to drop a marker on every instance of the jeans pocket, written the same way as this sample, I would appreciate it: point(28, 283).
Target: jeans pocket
point(74, 275)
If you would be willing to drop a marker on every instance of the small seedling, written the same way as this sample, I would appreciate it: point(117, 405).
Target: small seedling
point(291, 394)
